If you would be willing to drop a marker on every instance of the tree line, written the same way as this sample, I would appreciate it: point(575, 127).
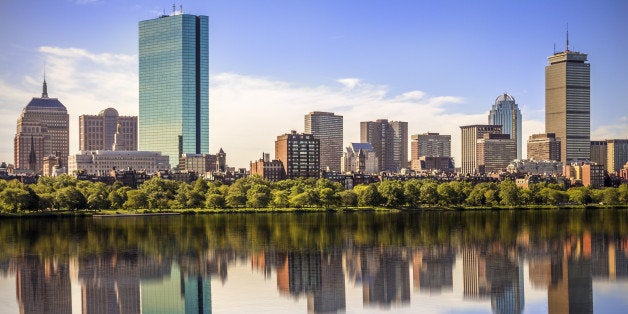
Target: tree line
point(67, 193)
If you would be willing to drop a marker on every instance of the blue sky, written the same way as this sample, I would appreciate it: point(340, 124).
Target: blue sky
point(435, 64)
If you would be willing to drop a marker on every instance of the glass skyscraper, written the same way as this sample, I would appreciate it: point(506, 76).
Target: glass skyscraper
point(174, 83)
point(506, 113)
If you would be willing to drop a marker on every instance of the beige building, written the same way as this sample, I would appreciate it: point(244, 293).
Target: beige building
point(431, 163)
point(97, 132)
point(101, 162)
point(198, 163)
point(617, 154)
point(544, 146)
point(470, 136)
point(430, 144)
point(360, 158)
point(42, 130)
point(390, 142)
point(328, 128)
point(271, 170)
point(567, 103)
point(299, 153)
point(495, 152)
point(599, 152)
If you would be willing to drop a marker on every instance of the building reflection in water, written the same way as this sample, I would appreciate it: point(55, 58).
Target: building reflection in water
point(432, 269)
point(43, 285)
point(385, 277)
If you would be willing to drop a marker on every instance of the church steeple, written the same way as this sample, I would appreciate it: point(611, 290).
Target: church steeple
point(44, 93)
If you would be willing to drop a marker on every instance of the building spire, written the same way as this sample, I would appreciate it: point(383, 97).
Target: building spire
point(44, 93)
point(567, 46)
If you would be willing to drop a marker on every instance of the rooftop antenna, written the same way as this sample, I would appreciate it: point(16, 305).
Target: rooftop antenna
point(554, 48)
point(567, 48)
point(173, 9)
point(181, 8)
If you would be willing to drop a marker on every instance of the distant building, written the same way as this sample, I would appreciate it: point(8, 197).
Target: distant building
point(328, 128)
point(568, 103)
point(544, 146)
point(299, 153)
point(599, 152)
point(360, 158)
point(271, 170)
point(97, 132)
point(42, 130)
point(470, 135)
point(536, 167)
point(617, 154)
point(100, 162)
point(505, 112)
point(432, 163)
point(495, 152)
point(222, 160)
point(586, 173)
point(390, 142)
point(198, 163)
point(174, 85)
point(430, 144)
point(52, 166)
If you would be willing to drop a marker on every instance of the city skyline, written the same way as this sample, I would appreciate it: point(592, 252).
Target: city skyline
point(266, 66)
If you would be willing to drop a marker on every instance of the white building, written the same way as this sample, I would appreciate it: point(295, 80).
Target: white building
point(360, 158)
point(100, 162)
point(546, 167)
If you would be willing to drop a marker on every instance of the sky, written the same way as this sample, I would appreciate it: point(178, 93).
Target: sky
point(435, 64)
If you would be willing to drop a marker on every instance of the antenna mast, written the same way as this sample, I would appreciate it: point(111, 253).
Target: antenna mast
point(567, 47)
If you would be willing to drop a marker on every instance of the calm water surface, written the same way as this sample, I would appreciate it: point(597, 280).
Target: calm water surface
point(454, 262)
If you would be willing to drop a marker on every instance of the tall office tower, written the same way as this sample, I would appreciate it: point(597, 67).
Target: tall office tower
point(495, 152)
point(98, 132)
point(174, 83)
point(430, 144)
point(598, 152)
point(544, 146)
point(299, 153)
point(617, 154)
point(328, 128)
point(506, 113)
point(390, 142)
point(567, 103)
point(470, 136)
point(42, 131)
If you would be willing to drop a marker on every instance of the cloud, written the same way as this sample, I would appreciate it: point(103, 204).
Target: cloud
point(611, 131)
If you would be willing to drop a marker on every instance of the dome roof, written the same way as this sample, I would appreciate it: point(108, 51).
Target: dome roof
point(109, 112)
point(504, 97)
point(45, 103)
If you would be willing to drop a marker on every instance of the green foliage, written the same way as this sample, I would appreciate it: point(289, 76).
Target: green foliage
point(214, 201)
point(429, 193)
point(368, 195)
point(70, 198)
point(509, 193)
point(392, 193)
point(348, 198)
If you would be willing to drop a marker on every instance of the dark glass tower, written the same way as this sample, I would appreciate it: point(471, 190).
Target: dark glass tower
point(174, 83)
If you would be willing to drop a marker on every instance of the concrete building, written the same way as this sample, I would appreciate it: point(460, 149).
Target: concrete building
point(430, 144)
point(300, 155)
point(42, 130)
point(198, 163)
point(544, 146)
point(432, 163)
point(495, 152)
point(599, 152)
point(470, 136)
point(271, 170)
point(328, 128)
point(173, 85)
point(97, 132)
point(101, 162)
point(360, 158)
point(568, 103)
point(586, 173)
point(535, 167)
point(505, 112)
point(390, 142)
point(617, 154)
point(52, 166)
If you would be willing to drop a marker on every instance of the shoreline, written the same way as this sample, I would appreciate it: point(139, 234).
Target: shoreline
point(198, 211)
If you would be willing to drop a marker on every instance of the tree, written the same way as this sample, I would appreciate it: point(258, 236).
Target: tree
point(235, 197)
point(328, 197)
point(623, 193)
point(391, 192)
point(70, 198)
point(214, 201)
point(509, 193)
point(491, 197)
point(429, 193)
point(581, 195)
point(117, 197)
point(348, 198)
point(446, 194)
point(280, 198)
point(14, 199)
point(367, 195)
point(258, 196)
point(411, 193)
point(610, 196)
point(136, 199)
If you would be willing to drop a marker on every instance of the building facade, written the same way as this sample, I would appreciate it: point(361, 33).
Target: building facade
point(432, 163)
point(101, 162)
point(544, 146)
point(505, 112)
point(198, 163)
point(470, 136)
point(568, 104)
point(42, 131)
point(328, 128)
point(431, 145)
point(173, 85)
point(617, 154)
point(271, 170)
point(97, 132)
point(299, 154)
point(390, 142)
point(599, 152)
point(495, 152)
point(360, 158)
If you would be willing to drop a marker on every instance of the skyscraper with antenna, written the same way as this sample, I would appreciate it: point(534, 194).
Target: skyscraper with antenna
point(568, 102)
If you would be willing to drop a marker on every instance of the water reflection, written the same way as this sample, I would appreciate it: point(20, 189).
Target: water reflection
point(172, 264)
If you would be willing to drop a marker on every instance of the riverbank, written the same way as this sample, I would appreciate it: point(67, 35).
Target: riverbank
point(203, 211)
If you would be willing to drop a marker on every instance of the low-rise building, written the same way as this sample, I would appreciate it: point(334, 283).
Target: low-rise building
point(432, 163)
point(271, 170)
point(198, 163)
point(100, 162)
point(531, 167)
point(359, 158)
point(587, 174)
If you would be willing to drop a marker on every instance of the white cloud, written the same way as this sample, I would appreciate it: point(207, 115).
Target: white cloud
point(611, 131)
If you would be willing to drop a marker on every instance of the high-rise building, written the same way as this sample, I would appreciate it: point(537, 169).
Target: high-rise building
point(598, 152)
point(299, 153)
point(431, 145)
point(470, 135)
point(568, 104)
point(97, 132)
point(617, 154)
point(544, 146)
point(173, 85)
point(42, 131)
point(390, 142)
point(505, 112)
point(328, 128)
point(495, 152)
